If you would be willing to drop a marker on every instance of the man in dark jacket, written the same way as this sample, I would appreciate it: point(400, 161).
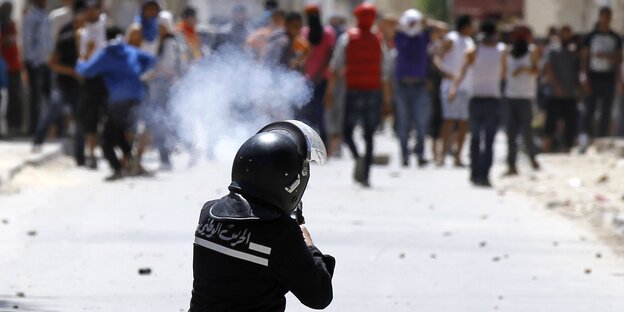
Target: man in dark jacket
point(249, 252)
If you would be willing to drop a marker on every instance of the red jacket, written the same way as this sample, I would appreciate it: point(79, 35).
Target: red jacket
point(363, 70)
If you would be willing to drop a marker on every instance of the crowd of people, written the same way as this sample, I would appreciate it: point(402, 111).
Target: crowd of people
point(99, 84)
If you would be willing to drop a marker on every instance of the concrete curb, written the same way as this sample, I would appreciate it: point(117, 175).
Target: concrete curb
point(34, 160)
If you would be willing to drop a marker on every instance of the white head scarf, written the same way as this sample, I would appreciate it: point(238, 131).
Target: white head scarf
point(165, 18)
point(411, 22)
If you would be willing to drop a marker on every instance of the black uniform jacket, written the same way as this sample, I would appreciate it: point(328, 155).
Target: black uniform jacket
point(249, 264)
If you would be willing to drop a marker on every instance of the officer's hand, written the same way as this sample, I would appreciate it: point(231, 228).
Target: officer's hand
point(306, 235)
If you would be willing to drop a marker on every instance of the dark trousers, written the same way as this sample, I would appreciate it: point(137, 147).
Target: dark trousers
point(120, 117)
point(362, 107)
point(603, 92)
point(39, 91)
point(313, 112)
point(564, 109)
point(413, 106)
point(484, 119)
point(518, 119)
point(15, 108)
point(53, 113)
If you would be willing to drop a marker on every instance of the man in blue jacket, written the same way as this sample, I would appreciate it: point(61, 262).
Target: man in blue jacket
point(121, 66)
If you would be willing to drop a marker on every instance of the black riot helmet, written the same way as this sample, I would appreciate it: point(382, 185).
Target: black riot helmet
point(274, 165)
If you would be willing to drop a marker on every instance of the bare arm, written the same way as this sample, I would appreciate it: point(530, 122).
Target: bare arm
point(438, 28)
point(439, 55)
point(469, 60)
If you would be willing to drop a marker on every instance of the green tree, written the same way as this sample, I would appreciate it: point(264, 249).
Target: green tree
point(434, 8)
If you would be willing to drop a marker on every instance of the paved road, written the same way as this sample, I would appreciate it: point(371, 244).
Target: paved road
point(420, 240)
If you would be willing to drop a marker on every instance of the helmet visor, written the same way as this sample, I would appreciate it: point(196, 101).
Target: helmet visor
point(314, 147)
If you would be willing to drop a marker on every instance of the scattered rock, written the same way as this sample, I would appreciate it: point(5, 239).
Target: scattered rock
point(402, 255)
point(535, 277)
point(433, 256)
point(484, 217)
point(357, 222)
point(588, 271)
point(31, 233)
point(598, 255)
point(15, 307)
point(505, 256)
point(395, 174)
point(553, 205)
point(482, 244)
point(496, 259)
point(145, 271)
point(500, 297)
point(447, 234)
point(20, 294)
point(5, 221)
point(603, 179)
point(556, 243)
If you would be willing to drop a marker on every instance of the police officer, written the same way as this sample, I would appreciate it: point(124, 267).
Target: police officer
point(250, 246)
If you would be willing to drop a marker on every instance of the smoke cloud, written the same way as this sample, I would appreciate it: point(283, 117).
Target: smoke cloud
point(228, 97)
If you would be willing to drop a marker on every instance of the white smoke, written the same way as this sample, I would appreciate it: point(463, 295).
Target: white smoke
point(228, 97)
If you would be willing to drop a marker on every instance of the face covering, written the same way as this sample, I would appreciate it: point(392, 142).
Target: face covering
point(411, 22)
point(366, 20)
point(149, 27)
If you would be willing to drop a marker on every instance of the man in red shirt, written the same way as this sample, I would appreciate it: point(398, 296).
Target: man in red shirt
point(359, 55)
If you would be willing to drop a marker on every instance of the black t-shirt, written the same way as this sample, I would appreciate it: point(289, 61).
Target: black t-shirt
point(67, 53)
point(599, 42)
point(250, 265)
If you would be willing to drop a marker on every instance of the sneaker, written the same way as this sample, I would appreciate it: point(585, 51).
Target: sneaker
point(485, 182)
point(512, 171)
point(534, 164)
point(358, 172)
point(117, 175)
point(92, 163)
point(422, 162)
point(405, 163)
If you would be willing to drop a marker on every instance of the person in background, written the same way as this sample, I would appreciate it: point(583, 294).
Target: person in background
point(121, 66)
point(61, 17)
point(235, 33)
point(360, 54)
point(4, 99)
point(600, 64)
point(412, 99)
point(562, 71)
point(167, 70)
point(286, 48)
point(520, 92)
point(37, 46)
point(187, 27)
point(488, 61)
point(334, 114)
point(144, 33)
point(258, 40)
point(92, 39)
point(62, 63)
point(11, 54)
point(316, 68)
point(434, 81)
point(455, 113)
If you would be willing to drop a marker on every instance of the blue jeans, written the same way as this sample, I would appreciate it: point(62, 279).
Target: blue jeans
point(413, 104)
point(362, 107)
point(484, 121)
